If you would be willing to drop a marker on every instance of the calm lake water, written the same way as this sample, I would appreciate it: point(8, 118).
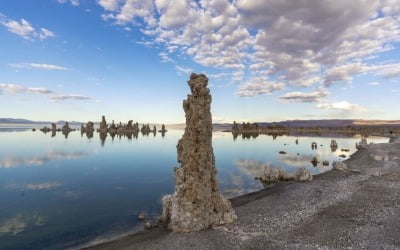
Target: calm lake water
point(57, 193)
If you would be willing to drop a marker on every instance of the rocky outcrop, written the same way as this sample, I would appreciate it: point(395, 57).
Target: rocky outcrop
point(162, 130)
point(103, 124)
point(362, 144)
point(53, 127)
point(45, 129)
point(314, 145)
point(66, 127)
point(334, 145)
point(315, 161)
point(274, 175)
point(196, 203)
point(339, 165)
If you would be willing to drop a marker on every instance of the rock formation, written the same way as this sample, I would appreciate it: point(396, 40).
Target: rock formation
point(315, 161)
point(274, 175)
point(45, 129)
point(362, 144)
point(339, 165)
point(196, 203)
point(103, 124)
point(334, 145)
point(314, 145)
point(66, 127)
point(162, 130)
point(53, 127)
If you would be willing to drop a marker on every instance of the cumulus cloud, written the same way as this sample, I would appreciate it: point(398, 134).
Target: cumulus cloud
point(24, 29)
point(50, 94)
point(37, 66)
point(299, 43)
point(304, 96)
point(258, 86)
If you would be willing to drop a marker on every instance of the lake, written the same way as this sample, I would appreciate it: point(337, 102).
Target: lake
point(58, 192)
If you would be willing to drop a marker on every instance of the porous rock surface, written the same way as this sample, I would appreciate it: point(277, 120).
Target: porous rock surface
point(196, 203)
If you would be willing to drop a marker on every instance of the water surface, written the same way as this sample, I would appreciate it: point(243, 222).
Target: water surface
point(58, 192)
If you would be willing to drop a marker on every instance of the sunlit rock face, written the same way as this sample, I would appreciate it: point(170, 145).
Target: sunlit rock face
point(197, 203)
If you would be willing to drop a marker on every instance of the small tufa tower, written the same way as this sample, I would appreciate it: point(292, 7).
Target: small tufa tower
point(197, 203)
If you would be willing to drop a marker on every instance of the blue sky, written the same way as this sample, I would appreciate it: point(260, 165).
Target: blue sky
point(266, 60)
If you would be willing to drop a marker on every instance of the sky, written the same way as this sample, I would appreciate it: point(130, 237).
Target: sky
point(267, 60)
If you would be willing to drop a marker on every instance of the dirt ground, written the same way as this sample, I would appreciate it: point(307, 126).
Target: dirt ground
point(354, 209)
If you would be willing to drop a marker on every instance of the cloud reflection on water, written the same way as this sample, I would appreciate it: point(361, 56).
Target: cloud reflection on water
point(12, 161)
point(19, 223)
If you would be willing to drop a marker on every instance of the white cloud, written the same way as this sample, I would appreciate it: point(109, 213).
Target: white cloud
point(343, 73)
point(183, 70)
point(24, 29)
point(37, 66)
point(341, 106)
point(165, 57)
point(73, 2)
point(258, 86)
point(304, 97)
point(109, 5)
point(373, 83)
point(298, 43)
point(50, 94)
point(45, 33)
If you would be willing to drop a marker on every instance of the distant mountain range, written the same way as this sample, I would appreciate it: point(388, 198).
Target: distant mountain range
point(289, 123)
point(25, 121)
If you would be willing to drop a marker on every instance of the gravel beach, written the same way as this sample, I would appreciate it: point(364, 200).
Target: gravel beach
point(354, 209)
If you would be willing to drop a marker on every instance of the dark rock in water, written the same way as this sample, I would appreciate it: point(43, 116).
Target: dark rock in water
point(33, 129)
point(343, 156)
point(103, 124)
point(345, 150)
point(45, 129)
point(314, 145)
point(315, 161)
point(162, 130)
point(334, 145)
point(282, 152)
point(53, 127)
point(196, 203)
point(325, 163)
point(66, 128)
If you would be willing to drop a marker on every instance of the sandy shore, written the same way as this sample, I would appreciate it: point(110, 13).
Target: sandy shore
point(354, 209)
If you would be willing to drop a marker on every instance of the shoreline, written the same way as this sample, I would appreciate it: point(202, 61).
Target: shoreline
point(286, 207)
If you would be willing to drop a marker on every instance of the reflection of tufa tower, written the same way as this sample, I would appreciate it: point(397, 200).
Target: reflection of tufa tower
point(197, 203)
